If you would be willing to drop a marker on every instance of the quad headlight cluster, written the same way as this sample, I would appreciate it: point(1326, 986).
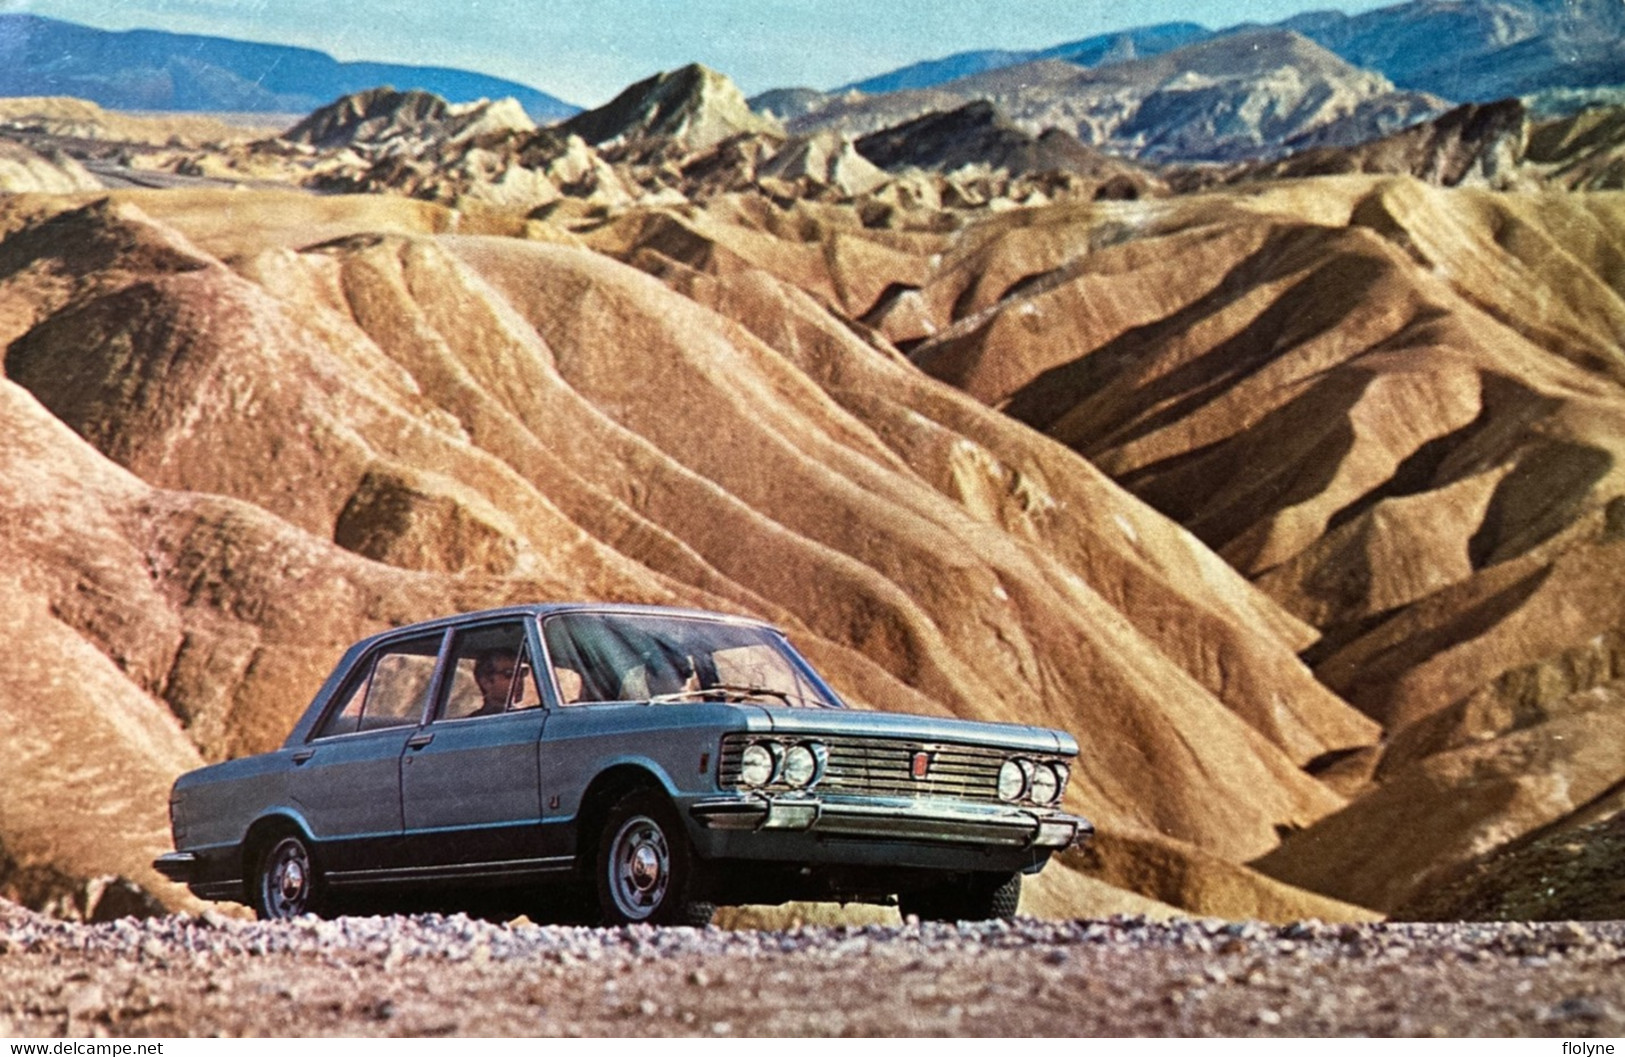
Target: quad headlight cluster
point(797, 765)
point(1036, 781)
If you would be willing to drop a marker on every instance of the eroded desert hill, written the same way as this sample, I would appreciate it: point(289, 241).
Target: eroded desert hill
point(1296, 501)
point(491, 418)
point(1396, 410)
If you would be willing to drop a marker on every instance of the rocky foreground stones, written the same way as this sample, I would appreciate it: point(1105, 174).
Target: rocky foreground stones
point(437, 975)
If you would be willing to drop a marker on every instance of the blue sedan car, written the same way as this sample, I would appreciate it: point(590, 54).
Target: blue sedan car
point(619, 763)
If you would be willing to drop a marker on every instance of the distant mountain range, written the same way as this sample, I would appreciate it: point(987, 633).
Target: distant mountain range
point(1465, 50)
point(1129, 44)
point(153, 70)
point(1179, 92)
point(1175, 92)
point(1480, 50)
point(1253, 93)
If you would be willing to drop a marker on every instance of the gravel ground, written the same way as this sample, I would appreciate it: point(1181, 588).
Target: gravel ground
point(435, 975)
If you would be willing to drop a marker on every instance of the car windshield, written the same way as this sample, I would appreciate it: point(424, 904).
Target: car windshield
point(666, 659)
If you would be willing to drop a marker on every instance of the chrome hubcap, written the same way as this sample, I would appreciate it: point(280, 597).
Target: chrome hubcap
point(645, 868)
point(287, 879)
point(639, 868)
point(293, 879)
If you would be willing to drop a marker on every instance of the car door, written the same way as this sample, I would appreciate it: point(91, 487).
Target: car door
point(469, 779)
point(346, 779)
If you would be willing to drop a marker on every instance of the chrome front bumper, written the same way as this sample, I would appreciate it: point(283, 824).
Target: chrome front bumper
point(890, 819)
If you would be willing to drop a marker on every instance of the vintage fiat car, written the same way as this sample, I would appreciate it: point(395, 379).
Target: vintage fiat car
point(624, 764)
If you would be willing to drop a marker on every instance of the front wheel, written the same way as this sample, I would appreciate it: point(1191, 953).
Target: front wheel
point(973, 897)
point(286, 883)
point(645, 866)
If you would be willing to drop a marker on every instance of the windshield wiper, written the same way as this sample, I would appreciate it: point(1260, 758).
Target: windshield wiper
point(723, 691)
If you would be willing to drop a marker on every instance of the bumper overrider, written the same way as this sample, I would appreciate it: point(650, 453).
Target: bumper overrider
point(901, 820)
point(179, 866)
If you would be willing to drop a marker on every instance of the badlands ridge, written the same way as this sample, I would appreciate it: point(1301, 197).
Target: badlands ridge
point(1299, 501)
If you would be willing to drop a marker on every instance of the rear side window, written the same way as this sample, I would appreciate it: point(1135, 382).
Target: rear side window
point(388, 691)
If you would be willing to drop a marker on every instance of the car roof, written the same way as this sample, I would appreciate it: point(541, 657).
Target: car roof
point(319, 703)
point(545, 609)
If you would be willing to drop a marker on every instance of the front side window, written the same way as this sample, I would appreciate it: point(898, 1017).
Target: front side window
point(636, 657)
point(490, 673)
point(388, 690)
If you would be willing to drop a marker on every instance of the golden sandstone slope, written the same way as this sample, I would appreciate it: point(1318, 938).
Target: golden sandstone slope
point(1396, 410)
point(490, 419)
point(1378, 422)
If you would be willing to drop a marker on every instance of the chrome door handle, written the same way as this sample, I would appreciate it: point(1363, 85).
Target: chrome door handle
point(417, 741)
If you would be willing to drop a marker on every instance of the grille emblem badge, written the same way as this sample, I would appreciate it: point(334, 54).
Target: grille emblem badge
point(920, 765)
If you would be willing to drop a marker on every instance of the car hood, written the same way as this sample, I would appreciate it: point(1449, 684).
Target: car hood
point(810, 721)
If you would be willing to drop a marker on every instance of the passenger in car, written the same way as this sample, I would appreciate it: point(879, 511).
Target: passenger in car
point(494, 672)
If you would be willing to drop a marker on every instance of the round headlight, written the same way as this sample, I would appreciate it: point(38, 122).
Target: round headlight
point(800, 766)
point(1063, 774)
point(1013, 779)
point(757, 764)
point(1046, 784)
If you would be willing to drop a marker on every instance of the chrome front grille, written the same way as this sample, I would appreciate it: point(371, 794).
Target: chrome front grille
point(884, 767)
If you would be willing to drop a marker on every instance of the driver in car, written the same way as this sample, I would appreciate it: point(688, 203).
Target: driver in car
point(494, 674)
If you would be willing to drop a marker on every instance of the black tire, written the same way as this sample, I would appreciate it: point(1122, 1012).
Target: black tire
point(645, 867)
point(1004, 898)
point(287, 882)
point(972, 897)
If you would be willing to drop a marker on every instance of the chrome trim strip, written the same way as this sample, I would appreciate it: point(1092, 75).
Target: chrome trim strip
point(452, 871)
point(229, 890)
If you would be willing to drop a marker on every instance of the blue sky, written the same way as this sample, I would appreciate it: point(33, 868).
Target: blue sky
point(587, 50)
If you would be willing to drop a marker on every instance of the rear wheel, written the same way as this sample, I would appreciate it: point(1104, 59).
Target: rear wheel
point(645, 869)
point(972, 897)
point(286, 881)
